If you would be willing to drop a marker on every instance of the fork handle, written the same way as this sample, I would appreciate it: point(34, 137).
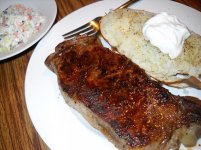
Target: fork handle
point(127, 4)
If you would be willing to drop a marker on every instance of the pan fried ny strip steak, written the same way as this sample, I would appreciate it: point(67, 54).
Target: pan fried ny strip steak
point(119, 99)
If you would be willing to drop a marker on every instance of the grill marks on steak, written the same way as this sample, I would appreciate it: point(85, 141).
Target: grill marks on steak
point(138, 109)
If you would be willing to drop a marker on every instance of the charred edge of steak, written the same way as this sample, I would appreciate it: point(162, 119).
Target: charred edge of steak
point(65, 46)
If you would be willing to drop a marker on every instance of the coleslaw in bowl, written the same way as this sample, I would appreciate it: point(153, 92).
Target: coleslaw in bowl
point(18, 24)
point(26, 31)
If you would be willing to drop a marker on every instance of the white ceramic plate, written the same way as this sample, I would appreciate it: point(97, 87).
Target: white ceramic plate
point(60, 126)
point(46, 8)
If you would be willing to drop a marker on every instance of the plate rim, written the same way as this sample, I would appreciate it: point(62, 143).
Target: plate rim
point(33, 55)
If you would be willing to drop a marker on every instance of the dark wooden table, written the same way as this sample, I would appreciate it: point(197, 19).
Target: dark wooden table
point(16, 129)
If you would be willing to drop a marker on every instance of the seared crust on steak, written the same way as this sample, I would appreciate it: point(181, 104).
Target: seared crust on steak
point(119, 99)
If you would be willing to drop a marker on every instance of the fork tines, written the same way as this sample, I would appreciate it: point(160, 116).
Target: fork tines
point(83, 28)
point(88, 29)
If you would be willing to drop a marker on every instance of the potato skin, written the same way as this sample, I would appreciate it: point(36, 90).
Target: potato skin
point(123, 30)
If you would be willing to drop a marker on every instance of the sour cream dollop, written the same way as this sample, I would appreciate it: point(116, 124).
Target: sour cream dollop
point(167, 33)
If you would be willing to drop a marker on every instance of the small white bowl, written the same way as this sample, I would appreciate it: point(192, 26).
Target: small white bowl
point(46, 8)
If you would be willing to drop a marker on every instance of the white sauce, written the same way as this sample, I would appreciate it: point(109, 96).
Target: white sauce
point(167, 33)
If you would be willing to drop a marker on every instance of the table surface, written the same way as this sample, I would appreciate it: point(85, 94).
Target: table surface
point(16, 129)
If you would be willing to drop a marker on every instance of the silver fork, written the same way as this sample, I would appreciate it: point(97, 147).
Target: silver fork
point(92, 27)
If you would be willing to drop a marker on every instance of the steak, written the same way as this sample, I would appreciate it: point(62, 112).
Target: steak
point(118, 98)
